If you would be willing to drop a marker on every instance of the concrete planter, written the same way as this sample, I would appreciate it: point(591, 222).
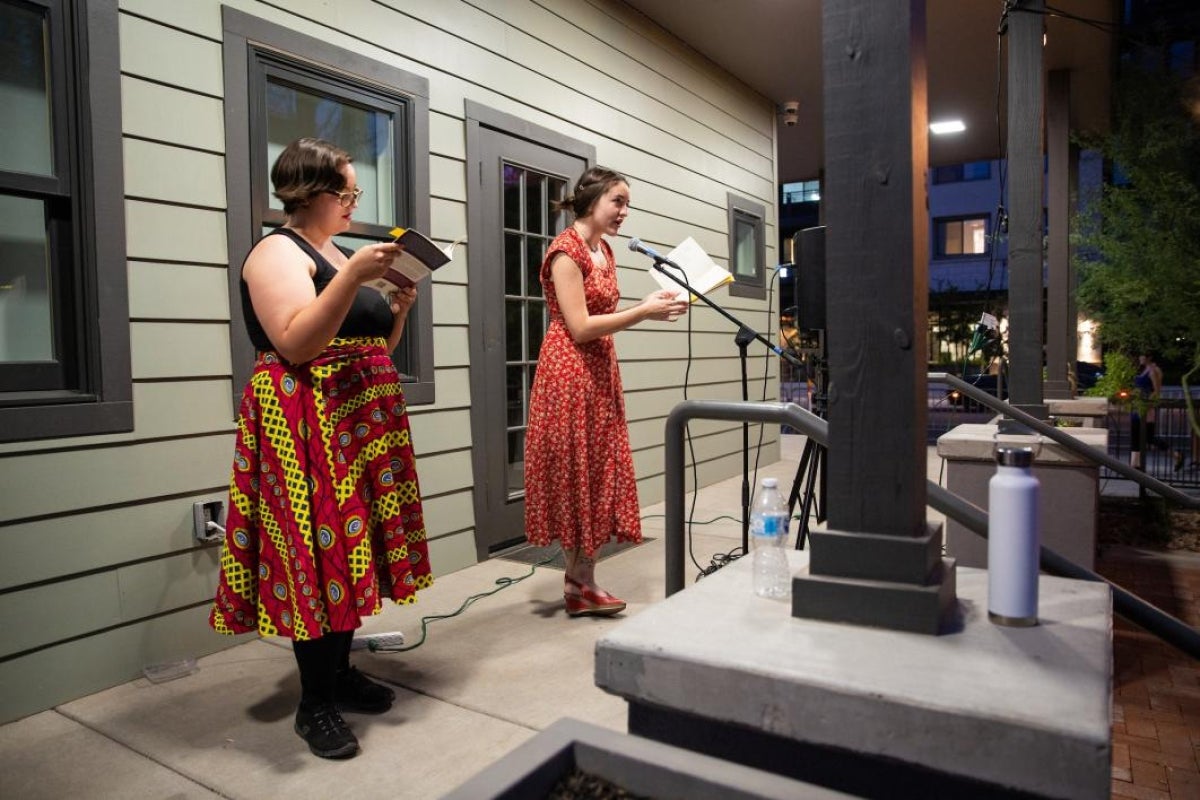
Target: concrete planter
point(640, 766)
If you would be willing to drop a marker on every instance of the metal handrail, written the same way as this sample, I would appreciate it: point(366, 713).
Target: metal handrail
point(1067, 440)
point(1126, 604)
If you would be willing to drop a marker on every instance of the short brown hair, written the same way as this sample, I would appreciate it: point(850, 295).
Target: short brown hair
point(590, 187)
point(307, 167)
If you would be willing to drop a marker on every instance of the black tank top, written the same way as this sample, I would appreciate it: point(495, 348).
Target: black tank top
point(369, 315)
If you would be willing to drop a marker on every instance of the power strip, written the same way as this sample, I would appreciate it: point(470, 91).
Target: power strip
point(373, 641)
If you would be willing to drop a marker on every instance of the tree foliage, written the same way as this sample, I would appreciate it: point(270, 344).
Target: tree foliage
point(1138, 247)
point(1138, 254)
point(1116, 383)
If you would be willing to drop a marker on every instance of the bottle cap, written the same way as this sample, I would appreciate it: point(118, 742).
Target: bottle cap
point(1014, 456)
point(770, 483)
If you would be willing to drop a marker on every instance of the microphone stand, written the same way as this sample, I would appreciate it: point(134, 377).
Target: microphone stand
point(745, 335)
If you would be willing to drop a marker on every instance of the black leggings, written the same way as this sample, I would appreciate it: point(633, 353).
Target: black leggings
point(1143, 435)
point(319, 661)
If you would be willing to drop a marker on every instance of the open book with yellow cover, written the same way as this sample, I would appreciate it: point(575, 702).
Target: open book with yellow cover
point(701, 272)
point(420, 257)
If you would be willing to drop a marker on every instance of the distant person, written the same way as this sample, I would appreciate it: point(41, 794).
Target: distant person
point(579, 480)
point(325, 518)
point(1194, 438)
point(1148, 383)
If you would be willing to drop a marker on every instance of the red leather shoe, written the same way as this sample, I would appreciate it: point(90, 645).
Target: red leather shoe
point(591, 602)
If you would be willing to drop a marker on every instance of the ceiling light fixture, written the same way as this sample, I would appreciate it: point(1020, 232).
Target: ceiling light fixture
point(947, 126)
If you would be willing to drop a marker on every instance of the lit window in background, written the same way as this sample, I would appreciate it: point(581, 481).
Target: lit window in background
point(961, 237)
point(800, 192)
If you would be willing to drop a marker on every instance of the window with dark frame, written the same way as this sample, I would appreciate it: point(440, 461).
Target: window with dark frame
point(298, 100)
point(64, 323)
point(968, 171)
point(800, 192)
point(278, 89)
point(747, 247)
point(960, 236)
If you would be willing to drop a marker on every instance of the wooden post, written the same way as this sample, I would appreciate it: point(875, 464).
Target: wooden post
point(1025, 181)
point(1060, 317)
point(879, 563)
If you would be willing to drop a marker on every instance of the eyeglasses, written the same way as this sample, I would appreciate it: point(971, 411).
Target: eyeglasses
point(347, 199)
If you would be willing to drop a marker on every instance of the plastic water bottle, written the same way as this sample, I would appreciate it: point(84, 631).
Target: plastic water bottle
point(1014, 549)
point(768, 534)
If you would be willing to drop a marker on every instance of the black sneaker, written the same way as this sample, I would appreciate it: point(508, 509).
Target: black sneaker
point(356, 692)
point(326, 732)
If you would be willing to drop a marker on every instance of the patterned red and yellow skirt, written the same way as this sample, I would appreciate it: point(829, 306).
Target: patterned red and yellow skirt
point(325, 512)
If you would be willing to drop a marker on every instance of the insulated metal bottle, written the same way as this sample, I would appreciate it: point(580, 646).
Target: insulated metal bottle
point(1014, 543)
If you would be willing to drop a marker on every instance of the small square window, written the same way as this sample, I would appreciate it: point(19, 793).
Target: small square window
point(747, 248)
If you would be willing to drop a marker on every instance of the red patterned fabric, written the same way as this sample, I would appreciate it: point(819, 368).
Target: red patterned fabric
point(325, 512)
point(579, 479)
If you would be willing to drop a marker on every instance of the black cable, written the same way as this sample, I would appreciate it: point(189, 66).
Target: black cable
point(766, 367)
point(1001, 225)
point(1098, 24)
point(696, 522)
point(717, 560)
point(687, 433)
point(720, 560)
point(503, 583)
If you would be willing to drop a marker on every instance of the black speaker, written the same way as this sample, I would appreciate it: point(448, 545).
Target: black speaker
point(808, 251)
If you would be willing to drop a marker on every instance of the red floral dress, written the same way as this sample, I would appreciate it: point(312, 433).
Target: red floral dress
point(579, 480)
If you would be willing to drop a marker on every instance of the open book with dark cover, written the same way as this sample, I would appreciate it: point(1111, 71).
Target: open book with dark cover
point(701, 272)
point(420, 257)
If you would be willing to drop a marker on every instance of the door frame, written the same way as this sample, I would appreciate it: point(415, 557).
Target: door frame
point(485, 335)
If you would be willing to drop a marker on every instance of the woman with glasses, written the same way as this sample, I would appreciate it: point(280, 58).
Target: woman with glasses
point(325, 517)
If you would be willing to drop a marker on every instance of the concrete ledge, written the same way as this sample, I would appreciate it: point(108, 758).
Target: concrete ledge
point(1085, 409)
point(1070, 491)
point(640, 766)
point(1023, 709)
point(977, 442)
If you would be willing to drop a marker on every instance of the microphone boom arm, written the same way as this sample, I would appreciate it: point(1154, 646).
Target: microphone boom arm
point(659, 263)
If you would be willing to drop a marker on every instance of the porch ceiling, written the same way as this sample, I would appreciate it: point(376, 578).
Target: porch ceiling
point(774, 46)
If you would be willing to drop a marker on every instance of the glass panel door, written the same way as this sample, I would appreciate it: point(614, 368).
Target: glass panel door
point(529, 225)
point(519, 177)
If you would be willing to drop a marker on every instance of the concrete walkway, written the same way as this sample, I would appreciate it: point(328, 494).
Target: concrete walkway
point(483, 683)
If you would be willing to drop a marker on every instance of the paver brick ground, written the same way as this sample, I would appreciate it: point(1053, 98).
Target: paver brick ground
point(1156, 688)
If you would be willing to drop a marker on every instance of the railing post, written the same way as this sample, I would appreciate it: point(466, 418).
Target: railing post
point(781, 413)
point(1126, 604)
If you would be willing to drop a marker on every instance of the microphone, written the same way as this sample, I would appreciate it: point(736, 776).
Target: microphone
point(635, 244)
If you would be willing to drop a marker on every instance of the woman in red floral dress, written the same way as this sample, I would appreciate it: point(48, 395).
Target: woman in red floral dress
point(579, 481)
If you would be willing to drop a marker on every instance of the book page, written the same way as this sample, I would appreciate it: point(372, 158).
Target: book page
point(701, 272)
point(420, 247)
point(417, 261)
